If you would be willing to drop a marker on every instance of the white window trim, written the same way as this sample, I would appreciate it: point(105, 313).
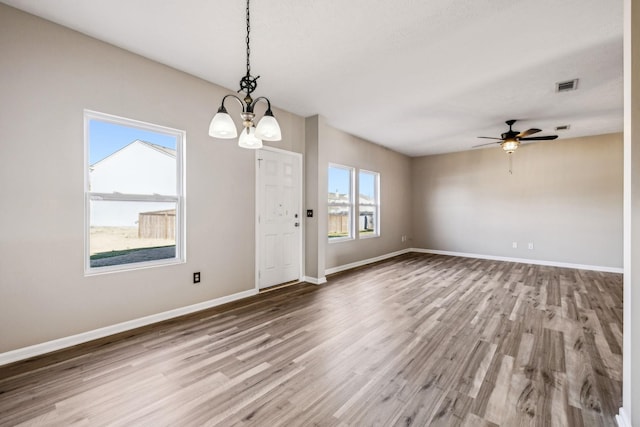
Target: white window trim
point(179, 198)
point(352, 224)
point(376, 206)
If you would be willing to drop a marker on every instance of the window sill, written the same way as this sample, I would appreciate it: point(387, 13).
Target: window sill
point(368, 236)
point(340, 239)
point(121, 268)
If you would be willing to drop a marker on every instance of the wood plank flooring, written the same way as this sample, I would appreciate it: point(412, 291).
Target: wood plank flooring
point(416, 340)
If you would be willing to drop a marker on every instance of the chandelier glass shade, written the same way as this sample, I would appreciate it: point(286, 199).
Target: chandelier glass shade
point(268, 128)
point(222, 125)
point(251, 136)
point(248, 139)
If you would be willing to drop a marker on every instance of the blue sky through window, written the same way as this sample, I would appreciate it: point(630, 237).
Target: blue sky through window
point(339, 180)
point(367, 185)
point(107, 138)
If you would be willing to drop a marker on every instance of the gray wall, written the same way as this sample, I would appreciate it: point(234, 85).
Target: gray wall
point(395, 196)
point(564, 196)
point(631, 344)
point(314, 252)
point(49, 74)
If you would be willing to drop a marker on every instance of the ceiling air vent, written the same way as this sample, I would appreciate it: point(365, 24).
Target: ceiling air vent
point(567, 86)
point(563, 127)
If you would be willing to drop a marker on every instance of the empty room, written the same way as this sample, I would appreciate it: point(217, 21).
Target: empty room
point(322, 213)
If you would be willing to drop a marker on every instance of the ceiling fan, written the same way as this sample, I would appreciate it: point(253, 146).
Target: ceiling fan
point(510, 140)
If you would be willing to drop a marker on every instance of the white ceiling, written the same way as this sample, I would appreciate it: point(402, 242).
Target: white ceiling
point(417, 76)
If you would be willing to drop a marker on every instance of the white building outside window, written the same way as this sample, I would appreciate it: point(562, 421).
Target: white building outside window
point(134, 194)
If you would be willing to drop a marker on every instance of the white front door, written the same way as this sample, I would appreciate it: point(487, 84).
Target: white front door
point(279, 217)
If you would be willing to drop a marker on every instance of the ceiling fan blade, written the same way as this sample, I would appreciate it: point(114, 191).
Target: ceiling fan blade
point(484, 145)
point(490, 137)
point(528, 132)
point(540, 138)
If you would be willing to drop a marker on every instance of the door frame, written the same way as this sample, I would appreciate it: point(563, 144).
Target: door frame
point(299, 158)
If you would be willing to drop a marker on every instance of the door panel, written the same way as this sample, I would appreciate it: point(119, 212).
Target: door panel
point(270, 244)
point(279, 220)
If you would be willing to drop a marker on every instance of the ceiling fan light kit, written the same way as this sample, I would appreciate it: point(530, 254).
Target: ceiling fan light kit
point(511, 139)
point(222, 125)
point(510, 145)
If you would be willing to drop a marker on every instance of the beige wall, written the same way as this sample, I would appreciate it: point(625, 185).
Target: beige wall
point(49, 74)
point(314, 252)
point(395, 196)
point(631, 345)
point(565, 196)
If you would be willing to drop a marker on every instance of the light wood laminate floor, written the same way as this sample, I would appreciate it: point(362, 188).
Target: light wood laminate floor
point(412, 341)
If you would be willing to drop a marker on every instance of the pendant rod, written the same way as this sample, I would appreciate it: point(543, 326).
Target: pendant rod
point(248, 40)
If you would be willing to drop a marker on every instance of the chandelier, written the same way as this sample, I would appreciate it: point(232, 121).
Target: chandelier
point(251, 136)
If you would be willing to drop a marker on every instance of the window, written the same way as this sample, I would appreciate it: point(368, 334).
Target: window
point(133, 194)
point(340, 202)
point(369, 204)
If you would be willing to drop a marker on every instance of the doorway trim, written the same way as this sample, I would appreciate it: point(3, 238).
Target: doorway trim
point(300, 186)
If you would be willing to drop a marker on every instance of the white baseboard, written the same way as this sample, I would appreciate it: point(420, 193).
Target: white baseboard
point(622, 419)
point(522, 260)
point(340, 268)
point(58, 344)
point(315, 280)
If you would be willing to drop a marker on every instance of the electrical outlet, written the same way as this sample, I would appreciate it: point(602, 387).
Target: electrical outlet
point(514, 245)
point(530, 245)
point(196, 277)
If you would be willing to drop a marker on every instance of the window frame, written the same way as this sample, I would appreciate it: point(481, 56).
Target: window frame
point(376, 205)
point(178, 198)
point(350, 205)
